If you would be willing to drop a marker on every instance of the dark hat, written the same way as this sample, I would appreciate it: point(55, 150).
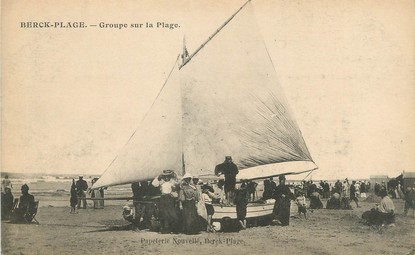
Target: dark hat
point(228, 158)
point(25, 187)
point(281, 177)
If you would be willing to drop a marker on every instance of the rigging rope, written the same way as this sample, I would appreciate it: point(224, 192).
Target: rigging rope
point(308, 174)
point(145, 115)
point(213, 35)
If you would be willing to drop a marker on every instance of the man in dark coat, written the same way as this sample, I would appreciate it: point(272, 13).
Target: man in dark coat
point(230, 170)
point(338, 187)
point(241, 202)
point(282, 205)
point(81, 187)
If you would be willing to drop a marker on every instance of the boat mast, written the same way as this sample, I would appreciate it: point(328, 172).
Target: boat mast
point(183, 165)
point(186, 58)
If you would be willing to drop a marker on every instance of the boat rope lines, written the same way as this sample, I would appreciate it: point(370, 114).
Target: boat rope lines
point(187, 59)
point(308, 174)
point(145, 115)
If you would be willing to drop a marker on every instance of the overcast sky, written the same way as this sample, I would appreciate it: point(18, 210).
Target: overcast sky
point(71, 97)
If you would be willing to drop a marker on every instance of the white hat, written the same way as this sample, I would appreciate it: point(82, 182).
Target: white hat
point(187, 175)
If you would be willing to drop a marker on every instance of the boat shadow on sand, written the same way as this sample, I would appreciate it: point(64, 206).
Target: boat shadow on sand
point(130, 227)
point(114, 225)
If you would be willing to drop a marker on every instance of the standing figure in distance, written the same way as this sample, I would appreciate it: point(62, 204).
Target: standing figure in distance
point(81, 188)
point(6, 203)
point(282, 205)
point(353, 194)
point(301, 204)
point(6, 183)
point(241, 201)
point(74, 197)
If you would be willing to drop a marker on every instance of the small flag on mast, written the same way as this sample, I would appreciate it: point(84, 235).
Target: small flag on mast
point(185, 54)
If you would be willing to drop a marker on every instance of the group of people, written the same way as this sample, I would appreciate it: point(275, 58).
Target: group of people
point(183, 205)
point(78, 192)
point(186, 204)
point(21, 211)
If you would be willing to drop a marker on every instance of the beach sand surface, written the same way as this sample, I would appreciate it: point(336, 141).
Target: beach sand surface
point(103, 231)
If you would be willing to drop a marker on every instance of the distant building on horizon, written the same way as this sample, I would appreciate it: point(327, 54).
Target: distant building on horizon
point(378, 179)
point(408, 179)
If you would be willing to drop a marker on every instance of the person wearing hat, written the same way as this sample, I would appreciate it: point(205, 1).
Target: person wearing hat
point(208, 194)
point(241, 202)
point(81, 188)
point(202, 214)
point(230, 170)
point(282, 196)
point(189, 197)
point(167, 203)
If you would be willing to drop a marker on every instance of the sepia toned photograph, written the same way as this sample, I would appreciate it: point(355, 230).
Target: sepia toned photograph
point(206, 127)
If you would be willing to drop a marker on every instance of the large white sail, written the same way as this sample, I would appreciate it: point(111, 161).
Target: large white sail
point(156, 144)
point(225, 101)
point(233, 105)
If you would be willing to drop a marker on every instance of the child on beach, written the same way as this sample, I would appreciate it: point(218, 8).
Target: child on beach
point(302, 205)
point(74, 197)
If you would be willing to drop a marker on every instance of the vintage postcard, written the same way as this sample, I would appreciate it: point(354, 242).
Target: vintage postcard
point(207, 126)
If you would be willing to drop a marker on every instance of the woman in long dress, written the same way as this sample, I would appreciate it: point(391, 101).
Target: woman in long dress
point(189, 197)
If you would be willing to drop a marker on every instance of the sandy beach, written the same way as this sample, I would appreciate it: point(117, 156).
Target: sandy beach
point(103, 231)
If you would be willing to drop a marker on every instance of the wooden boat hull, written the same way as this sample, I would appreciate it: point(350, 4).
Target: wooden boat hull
point(254, 210)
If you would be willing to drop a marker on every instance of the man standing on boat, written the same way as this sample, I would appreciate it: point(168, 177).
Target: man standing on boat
point(282, 205)
point(230, 170)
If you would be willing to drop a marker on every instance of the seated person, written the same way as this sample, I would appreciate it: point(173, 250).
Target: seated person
point(315, 202)
point(128, 214)
point(334, 201)
point(382, 214)
point(6, 203)
point(26, 209)
point(387, 208)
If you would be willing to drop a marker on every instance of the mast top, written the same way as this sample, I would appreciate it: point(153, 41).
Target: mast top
point(186, 57)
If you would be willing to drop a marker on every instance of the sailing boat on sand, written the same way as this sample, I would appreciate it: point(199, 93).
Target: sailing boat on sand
point(223, 99)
